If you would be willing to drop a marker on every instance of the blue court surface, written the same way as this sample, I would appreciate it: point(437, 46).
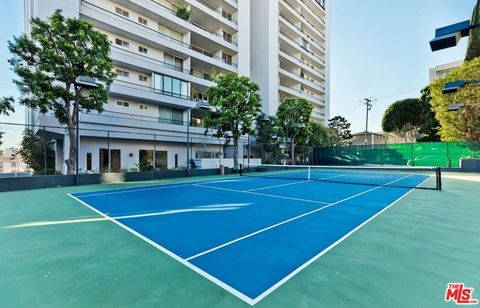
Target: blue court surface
point(249, 235)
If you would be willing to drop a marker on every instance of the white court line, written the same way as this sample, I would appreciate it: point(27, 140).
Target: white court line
point(287, 221)
point(261, 194)
point(274, 186)
point(194, 268)
point(303, 266)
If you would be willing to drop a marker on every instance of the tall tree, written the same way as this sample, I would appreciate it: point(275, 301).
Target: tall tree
point(48, 64)
point(235, 103)
point(36, 151)
point(340, 131)
point(461, 125)
point(293, 116)
point(320, 136)
point(404, 118)
point(430, 128)
point(473, 50)
point(268, 134)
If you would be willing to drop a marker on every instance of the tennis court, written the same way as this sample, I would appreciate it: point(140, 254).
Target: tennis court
point(251, 234)
point(274, 237)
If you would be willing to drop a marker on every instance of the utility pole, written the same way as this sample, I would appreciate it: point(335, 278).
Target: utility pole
point(368, 103)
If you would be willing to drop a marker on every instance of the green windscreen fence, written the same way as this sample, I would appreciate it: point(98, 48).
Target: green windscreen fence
point(441, 154)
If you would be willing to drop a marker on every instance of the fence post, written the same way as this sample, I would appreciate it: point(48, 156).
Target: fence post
point(154, 156)
point(108, 152)
point(449, 161)
point(411, 155)
point(45, 153)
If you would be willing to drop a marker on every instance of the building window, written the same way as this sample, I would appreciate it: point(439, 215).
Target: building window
point(171, 86)
point(122, 43)
point(227, 15)
point(142, 107)
point(143, 78)
point(123, 104)
point(170, 115)
point(226, 57)
point(122, 73)
point(122, 12)
point(89, 161)
point(142, 20)
point(227, 36)
point(173, 62)
point(142, 49)
point(146, 159)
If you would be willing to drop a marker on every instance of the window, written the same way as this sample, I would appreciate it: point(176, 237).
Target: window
point(122, 42)
point(122, 73)
point(143, 78)
point(123, 104)
point(171, 86)
point(146, 158)
point(227, 15)
point(170, 115)
point(122, 12)
point(174, 62)
point(142, 49)
point(226, 57)
point(89, 161)
point(227, 36)
point(142, 107)
point(142, 20)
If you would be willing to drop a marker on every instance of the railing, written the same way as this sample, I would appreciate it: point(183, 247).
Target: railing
point(302, 62)
point(303, 77)
point(311, 10)
point(311, 54)
point(305, 19)
point(217, 11)
point(130, 116)
point(303, 93)
point(164, 36)
point(194, 23)
point(164, 64)
point(284, 19)
point(140, 87)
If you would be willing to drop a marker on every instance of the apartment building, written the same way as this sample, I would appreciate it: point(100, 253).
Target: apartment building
point(290, 52)
point(442, 70)
point(165, 59)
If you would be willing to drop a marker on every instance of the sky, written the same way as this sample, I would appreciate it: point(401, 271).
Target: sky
point(378, 49)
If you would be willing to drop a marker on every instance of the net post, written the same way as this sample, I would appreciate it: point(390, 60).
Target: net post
point(439, 178)
point(309, 173)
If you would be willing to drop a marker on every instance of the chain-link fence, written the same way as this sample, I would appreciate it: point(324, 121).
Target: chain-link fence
point(440, 154)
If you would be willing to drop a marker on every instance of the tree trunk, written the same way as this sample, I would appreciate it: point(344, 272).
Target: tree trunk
point(71, 161)
point(235, 152)
point(293, 149)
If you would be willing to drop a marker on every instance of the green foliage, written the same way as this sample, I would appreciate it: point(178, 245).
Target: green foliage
point(235, 104)
point(320, 135)
point(404, 118)
point(48, 63)
point(460, 125)
point(6, 105)
point(183, 13)
point(429, 130)
point(339, 131)
point(33, 150)
point(268, 136)
point(473, 50)
point(293, 117)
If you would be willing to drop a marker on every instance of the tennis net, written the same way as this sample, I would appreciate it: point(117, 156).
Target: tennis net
point(404, 177)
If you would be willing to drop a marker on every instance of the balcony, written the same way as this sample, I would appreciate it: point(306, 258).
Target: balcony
point(298, 93)
point(298, 62)
point(205, 7)
point(295, 30)
point(296, 47)
point(301, 79)
point(137, 61)
point(138, 92)
point(124, 26)
point(313, 29)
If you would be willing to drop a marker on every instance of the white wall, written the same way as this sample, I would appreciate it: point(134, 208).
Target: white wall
point(264, 51)
point(244, 37)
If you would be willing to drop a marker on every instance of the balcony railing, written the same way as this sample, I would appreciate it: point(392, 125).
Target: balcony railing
point(312, 54)
point(218, 12)
point(305, 19)
point(306, 79)
point(194, 23)
point(291, 58)
point(284, 19)
point(162, 35)
point(303, 93)
point(149, 89)
point(164, 64)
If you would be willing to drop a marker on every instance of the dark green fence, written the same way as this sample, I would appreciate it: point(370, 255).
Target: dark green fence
point(442, 154)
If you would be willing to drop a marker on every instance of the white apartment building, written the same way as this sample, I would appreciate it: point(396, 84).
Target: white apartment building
point(290, 52)
point(164, 65)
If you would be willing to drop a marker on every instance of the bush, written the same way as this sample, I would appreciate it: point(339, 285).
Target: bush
point(183, 13)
